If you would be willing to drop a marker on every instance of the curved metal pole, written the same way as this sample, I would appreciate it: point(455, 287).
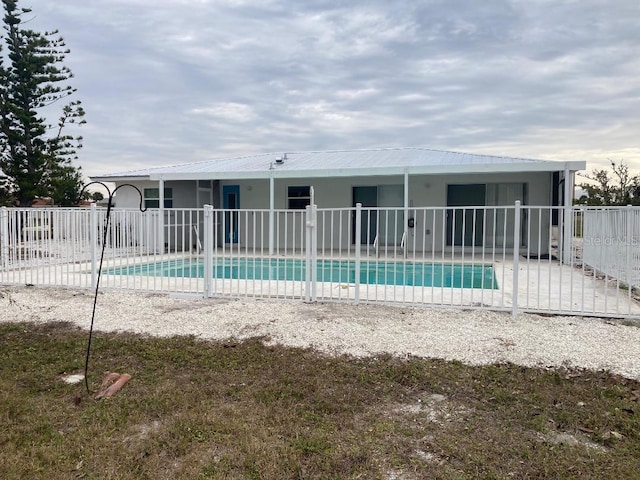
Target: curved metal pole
point(104, 242)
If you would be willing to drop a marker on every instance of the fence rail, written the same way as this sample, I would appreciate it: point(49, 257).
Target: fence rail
point(512, 258)
point(611, 242)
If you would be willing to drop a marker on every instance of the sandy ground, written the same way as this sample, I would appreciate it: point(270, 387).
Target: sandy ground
point(473, 337)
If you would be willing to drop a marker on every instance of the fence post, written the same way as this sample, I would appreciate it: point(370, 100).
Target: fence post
point(357, 247)
point(307, 246)
point(4, 237)
point(94, 237)
point(567, 225)
point(629, 240)
point(314, 252)
point(516, 257)
point(208, 246)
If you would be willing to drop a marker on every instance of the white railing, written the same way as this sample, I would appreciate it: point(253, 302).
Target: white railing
point(611, 242)
point(513, 258)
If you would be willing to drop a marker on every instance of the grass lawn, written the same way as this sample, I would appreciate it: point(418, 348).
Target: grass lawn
point(198, 409)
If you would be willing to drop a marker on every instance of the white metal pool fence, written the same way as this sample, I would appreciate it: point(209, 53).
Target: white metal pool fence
point(611, 242)
point(515, 258)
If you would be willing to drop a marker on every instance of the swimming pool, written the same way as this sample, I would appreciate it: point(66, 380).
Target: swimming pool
point(335, 271)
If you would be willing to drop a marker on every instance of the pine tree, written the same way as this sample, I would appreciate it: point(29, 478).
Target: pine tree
point(35, 157)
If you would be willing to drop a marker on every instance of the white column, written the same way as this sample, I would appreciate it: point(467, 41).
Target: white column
point(568, 216)
point(160, 246)
point(406, 213)
point(272, 205)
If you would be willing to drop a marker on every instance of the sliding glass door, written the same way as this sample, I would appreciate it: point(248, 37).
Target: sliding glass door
point(387, 225)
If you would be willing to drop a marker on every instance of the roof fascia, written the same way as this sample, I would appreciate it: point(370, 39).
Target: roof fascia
point(379, 171)
point(139, 178)
point(545, 166)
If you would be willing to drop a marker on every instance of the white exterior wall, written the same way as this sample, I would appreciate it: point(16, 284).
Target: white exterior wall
point(186, 194)
point(127, 197)
point(432, 191)
point(178, 224)
point(424, 191)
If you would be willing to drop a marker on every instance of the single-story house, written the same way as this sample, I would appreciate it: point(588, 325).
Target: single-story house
point(405, 178)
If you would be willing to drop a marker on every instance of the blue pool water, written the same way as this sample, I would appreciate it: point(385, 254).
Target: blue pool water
point(336, 271)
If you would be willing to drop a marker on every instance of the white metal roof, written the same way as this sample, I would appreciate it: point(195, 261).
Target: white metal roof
point(387, 161)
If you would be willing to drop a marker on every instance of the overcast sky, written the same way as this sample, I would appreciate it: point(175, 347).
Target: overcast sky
point(174, 81)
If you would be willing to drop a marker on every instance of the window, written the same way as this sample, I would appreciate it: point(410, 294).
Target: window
point(152, 198)
point(298, 197)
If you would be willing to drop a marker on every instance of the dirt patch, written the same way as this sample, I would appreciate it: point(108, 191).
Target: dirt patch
point(433, 407)
point(142, 431)
point(569, 439)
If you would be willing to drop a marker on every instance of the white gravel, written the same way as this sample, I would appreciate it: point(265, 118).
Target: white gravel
point(473, 337)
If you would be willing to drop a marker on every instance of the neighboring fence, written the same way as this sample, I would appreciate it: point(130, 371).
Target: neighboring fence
point(611, 242)
point(513, 258)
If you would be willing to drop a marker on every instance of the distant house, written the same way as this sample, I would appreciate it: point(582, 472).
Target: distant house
point(404, 178)
point(42, 202)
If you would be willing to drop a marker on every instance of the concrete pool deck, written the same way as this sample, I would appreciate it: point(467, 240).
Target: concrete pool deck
point(542, 285)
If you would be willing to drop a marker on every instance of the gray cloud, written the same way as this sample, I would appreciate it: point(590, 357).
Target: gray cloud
point(172, 81)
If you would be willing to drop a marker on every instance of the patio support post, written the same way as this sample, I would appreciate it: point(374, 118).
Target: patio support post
point(516, 259)
point(208, 250)
point(405, 235)
point(357, 247)
point(567, 223)
point(160, 246)
point(272, 203)
point(93, 237)
point(4, 237)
